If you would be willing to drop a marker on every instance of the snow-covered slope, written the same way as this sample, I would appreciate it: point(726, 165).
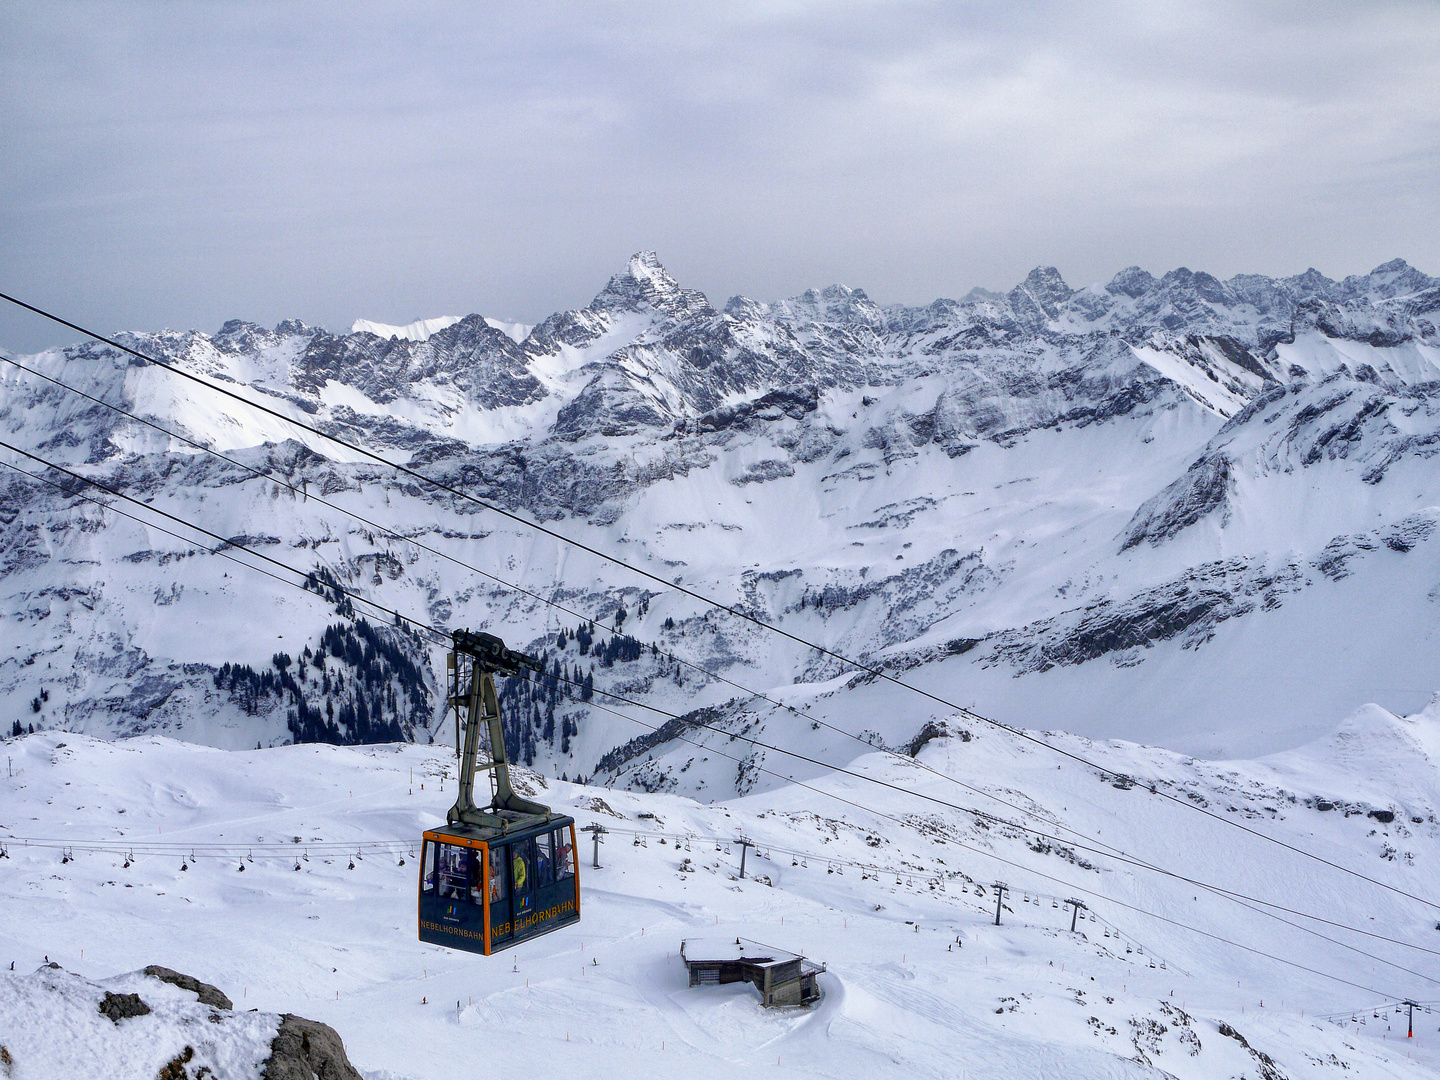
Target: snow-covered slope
point(276, 875)
point(419, 330)
point(1175, 510)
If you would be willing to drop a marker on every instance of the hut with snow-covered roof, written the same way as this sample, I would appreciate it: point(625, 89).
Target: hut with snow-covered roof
point(783, 978)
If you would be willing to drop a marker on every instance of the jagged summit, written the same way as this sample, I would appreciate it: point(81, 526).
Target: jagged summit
point(1131, 282)
point(646, 284)
point(1043, 288)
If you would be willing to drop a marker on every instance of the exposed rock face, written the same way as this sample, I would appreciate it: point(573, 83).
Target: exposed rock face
point(307, 1050)
point(1203, 488)
point(207, 994)
point(172, 1036)
point(123, 1006)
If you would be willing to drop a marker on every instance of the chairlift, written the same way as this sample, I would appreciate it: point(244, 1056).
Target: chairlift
point(297, 864)
point(497, 875)
point(241, 866)
point(351, 866)
point(794, 861)
point(183, 864)
point(1054, 903)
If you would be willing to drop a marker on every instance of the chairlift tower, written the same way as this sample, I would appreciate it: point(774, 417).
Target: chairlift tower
point(596, 831)
point(745, 845)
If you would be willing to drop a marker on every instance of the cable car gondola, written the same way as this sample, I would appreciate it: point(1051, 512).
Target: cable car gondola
point(495, 877)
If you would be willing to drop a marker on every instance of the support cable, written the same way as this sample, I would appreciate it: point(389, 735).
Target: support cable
point(873, 672)
point(441, 636)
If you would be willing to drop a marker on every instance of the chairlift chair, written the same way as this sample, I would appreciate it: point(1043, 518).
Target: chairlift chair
point(493, 877)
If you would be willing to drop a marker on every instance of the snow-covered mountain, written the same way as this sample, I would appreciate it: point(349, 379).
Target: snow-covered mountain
point(1179, 510)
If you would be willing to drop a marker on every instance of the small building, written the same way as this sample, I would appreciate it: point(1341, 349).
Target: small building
point(783, 978)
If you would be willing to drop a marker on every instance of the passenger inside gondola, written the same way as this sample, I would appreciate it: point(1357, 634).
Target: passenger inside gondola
point(564, 855)
point(520, 878)
point(454, 872)
point(477, 872)
point(497, 875)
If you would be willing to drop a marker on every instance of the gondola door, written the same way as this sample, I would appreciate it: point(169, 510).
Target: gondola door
point(502, 921)
point(522, 883)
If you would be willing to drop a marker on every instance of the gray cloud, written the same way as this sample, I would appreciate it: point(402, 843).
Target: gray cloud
point(165, 164)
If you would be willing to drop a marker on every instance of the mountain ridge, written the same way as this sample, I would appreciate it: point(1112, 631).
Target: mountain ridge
point(1196, 455)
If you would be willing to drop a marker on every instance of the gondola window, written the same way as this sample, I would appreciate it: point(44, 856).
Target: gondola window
point(564, 855)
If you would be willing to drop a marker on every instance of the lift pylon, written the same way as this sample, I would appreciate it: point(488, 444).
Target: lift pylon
point(472, 666)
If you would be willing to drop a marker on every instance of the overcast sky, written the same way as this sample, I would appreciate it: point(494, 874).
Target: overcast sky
point(178, 164)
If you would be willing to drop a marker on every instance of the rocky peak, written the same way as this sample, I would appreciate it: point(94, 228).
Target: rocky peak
point(1198, 284)
point(238, 336)
point(1388, 280)
point(1043, 289)
point(1132, 282)
point(1311, 283)
point(832, 304)
point(645, 284)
